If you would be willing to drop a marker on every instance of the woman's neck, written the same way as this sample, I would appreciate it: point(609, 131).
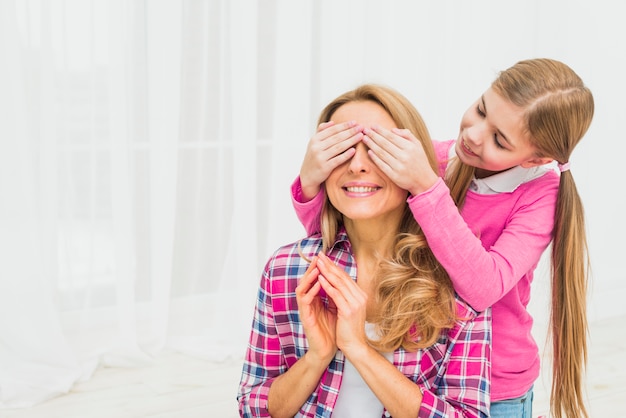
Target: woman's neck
point(370, 240)
point(370, 243)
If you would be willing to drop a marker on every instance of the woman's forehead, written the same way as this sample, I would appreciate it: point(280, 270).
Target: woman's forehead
point(365, 113)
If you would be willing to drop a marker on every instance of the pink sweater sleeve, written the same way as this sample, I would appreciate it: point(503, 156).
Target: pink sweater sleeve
point(307, 212)
point(483, 274)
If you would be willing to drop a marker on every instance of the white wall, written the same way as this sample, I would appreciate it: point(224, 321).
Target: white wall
point(442, 55)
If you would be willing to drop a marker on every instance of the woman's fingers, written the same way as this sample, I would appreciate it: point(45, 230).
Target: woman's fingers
point(339, 285)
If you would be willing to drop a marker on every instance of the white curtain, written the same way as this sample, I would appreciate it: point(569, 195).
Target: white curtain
point(148, 147)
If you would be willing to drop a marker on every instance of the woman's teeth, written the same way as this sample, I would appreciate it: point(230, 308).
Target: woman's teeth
point(361, 189)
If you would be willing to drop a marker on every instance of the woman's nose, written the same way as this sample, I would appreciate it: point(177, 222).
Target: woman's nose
point(360, 161)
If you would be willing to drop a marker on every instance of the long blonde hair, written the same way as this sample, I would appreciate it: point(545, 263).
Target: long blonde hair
point(414, 295)
point(558, 111)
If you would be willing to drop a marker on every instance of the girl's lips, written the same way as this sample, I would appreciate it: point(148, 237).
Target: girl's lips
point(467, 149)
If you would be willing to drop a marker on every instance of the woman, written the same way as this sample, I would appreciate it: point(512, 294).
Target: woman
point(361, 320)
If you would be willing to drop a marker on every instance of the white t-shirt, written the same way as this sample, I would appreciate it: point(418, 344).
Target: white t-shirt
point(356, 399)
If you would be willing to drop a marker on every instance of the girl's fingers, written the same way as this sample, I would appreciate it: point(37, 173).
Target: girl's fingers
point(324, 125)
point(340, 142)
point(334, 135)
point(383, 148)
point(381, 164)
point(385, 139)
point(341, 158)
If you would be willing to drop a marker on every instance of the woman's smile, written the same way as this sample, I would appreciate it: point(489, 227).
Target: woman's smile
point(358, 189)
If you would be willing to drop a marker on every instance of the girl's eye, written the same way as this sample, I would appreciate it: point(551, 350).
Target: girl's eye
point(495, 139)
point(495, 136)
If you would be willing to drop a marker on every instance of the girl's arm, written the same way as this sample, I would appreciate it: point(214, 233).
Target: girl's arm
point(308, 212)
point(482, 276)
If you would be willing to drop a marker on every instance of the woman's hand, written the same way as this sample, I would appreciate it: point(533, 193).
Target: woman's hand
point(318, 321)
point(330, 147)
point(351, 303)
point(401, 157)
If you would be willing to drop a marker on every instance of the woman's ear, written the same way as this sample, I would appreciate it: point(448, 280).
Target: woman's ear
point(534, 162)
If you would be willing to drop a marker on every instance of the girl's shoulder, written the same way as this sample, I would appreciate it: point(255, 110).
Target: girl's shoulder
point(442, 148)
point(546, 185)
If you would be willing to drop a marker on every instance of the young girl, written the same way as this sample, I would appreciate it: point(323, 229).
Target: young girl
point(361, 320)
point(512, 205)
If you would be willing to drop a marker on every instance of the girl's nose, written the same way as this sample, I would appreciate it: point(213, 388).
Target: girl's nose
point(475, 134)
point(360, 162)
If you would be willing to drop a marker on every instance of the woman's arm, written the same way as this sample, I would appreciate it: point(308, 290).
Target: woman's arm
point(462, 386)
point(269, 386)
point(263, 361)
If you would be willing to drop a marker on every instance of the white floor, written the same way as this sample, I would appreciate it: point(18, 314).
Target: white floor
point(183, 387)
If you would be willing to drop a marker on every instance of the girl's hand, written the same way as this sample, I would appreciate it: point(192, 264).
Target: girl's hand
point(318, 321)
point(330, 147)
point(351, 303)
point(401, 157)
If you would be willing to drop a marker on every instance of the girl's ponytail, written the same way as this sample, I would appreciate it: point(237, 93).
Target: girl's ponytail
point(570, 268)
point(558, 111)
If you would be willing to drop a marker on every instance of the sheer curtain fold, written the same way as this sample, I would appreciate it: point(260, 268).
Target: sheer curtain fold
point(89, 180)
point(28, 315)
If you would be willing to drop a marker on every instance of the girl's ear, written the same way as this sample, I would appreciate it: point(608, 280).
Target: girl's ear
point(534, 162)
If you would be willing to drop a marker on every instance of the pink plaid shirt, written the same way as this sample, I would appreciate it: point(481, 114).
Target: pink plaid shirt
point(453, 374)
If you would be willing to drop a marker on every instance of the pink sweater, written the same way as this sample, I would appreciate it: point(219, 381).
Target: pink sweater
point(490, 251)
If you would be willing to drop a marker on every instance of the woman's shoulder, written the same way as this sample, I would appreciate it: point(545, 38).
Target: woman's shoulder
point(298, 252)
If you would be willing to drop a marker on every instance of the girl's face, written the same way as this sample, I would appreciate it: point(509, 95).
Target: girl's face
point(357, 188)
point(493, 137)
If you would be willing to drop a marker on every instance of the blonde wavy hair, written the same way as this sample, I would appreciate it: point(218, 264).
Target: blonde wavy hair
point(558, 111)
point(414, 297)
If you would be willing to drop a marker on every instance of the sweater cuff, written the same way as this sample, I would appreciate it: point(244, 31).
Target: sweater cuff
point(308, 212)
point(435, 193)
